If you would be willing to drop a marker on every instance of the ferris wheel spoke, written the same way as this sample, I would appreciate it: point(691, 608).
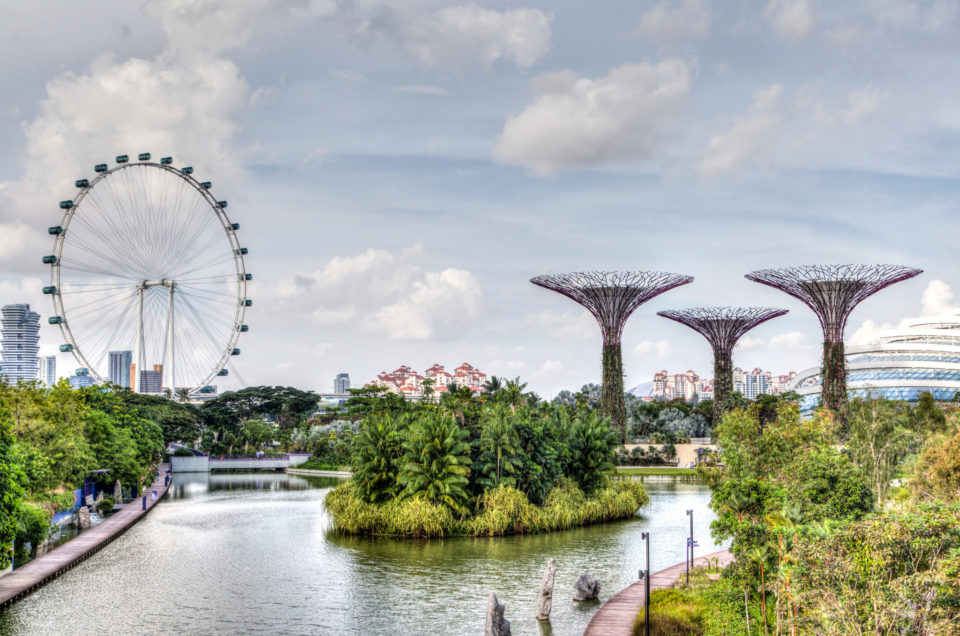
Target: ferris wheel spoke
point(214, 263)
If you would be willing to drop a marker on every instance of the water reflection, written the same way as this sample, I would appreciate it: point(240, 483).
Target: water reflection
point(256, 553)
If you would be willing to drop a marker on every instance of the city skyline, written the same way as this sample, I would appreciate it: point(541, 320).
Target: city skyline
point(428, 144)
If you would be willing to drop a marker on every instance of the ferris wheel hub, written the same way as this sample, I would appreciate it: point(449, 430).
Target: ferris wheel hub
point(166, 282)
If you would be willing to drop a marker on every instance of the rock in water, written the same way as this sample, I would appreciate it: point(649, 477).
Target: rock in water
point(497, 625)
point(587, 588)
point(118, 493)
point(545, 603)
point(83, 517)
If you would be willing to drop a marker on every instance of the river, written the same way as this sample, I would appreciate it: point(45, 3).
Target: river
point(257, 554)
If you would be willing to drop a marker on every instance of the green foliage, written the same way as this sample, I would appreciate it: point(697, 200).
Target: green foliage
point(33, 527)
point(928, 418)
point(673, 612)
point(499, 445)
point(937, 473)
point(436, 461)
point(105, 506)
point(592, 447)
point(828, 486)
point(377, 453)
point(183, 452)
point(113, 448)
point(10, 489)
point(256, 435)
point(501, 511)
point(880, 436)
point(894, 573)
point(287, 406)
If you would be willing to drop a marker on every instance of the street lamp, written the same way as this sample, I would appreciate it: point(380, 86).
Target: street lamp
point(690, 546)
point(645, 577)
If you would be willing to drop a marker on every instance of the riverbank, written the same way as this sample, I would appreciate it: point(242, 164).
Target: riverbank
point(656, 470)
point(24, 580)
point(319, 473)
point(617, 616)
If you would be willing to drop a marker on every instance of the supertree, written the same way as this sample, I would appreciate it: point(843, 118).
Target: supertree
point(611, 297)
point(832, 292)
point(722, 327)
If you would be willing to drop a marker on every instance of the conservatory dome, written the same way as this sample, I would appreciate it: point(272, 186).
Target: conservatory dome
point(897, 364)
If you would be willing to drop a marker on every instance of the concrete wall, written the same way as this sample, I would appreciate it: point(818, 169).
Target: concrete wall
point(190, 464)
point(686, 453)
point(298, 458)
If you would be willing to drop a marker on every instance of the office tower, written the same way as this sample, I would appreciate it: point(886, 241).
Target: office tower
point(19, 338)
point(48, 370)
point(120, 362)
point(341, 383)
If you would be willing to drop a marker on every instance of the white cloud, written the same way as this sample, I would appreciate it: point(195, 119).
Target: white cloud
point(549, 369)
point(937, 299)
point(686, 19)
point(645, 348)
point(792, 341)
point(860, 104)
point(348, 77)
point(750, 137)
point(923, 15)
point(566, 326)
point(458, 36)
point(746, 343)
point(578, 121)
point(792, 19)
point(386, 293)
point(421, 89)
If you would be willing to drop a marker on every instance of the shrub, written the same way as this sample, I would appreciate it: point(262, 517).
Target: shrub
point(673, 612)
point(105, 506)
point(33, 527)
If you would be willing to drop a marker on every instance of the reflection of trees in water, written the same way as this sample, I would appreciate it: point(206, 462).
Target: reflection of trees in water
point(187, 485)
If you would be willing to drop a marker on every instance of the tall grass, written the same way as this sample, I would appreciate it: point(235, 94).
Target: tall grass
point(501, 511)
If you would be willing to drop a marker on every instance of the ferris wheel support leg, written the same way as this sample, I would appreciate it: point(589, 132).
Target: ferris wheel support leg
point(171, 376)
point(135, 381)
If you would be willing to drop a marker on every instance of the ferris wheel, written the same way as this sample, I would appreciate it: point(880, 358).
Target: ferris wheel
point(147, 278)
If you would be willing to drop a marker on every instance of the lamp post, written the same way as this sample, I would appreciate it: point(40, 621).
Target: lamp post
point(645, 577)
point(690, 546)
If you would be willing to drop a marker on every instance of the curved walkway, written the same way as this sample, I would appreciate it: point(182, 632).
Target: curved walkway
point(24, 580)
point(619, 613)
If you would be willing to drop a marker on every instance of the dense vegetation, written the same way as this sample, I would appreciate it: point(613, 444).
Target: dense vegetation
point(824, 544)
point(50, 438)
point(499, 463)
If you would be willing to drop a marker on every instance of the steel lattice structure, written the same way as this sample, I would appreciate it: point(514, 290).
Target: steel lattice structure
point(611, 297)
point(722, 327)
point(832, 292)
point(147, 263)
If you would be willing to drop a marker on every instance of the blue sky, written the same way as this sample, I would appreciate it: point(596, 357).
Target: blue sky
point(401, 169)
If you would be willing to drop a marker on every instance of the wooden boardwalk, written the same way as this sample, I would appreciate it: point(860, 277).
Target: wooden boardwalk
point(617, 615)
point(24, 580)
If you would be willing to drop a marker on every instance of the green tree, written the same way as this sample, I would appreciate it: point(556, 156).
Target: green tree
point(880, 436)
point(927, 416)
point(436, 461)
point(113, 448)
point(499, 446)
point(592, 445)
point(11, 493)
point(377, 453)
point(257, 434)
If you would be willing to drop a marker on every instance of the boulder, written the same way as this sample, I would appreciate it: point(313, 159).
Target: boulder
point(83, 517)
point(545, 602)
point(117, 493)
point(497, 625)
point(587, 588)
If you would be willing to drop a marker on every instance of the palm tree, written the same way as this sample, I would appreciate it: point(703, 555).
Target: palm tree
point(378, 449)
point(500, 442)
point(436, 461)
point(759, 556)
point(592, 445)
point(182, 395)
point(513, 392)
point(493, 385)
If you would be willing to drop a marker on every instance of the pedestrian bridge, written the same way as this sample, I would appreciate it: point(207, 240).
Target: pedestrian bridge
point(206, 464)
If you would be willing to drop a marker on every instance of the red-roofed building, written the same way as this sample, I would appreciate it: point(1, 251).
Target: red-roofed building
point(409, 383)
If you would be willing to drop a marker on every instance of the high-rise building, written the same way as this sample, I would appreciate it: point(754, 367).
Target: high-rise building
point(341, 383)
point(120, 362)
point(81, 378)
point(19, 338)
point(152, 381)
point(48, 370)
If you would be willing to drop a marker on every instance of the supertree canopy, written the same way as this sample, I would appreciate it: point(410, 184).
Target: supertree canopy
point(611, 297)
point(722, 327)
point(832, 292)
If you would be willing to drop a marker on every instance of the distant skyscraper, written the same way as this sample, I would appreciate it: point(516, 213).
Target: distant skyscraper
point(120, 362)
point(82, 378)
point(152, 381)
point(19, 336)
point(48, 370)
point(342, 383)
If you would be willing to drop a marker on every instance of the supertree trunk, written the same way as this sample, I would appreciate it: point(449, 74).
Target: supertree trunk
point(834, 379)
point(611, 394)
point(722, 382)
